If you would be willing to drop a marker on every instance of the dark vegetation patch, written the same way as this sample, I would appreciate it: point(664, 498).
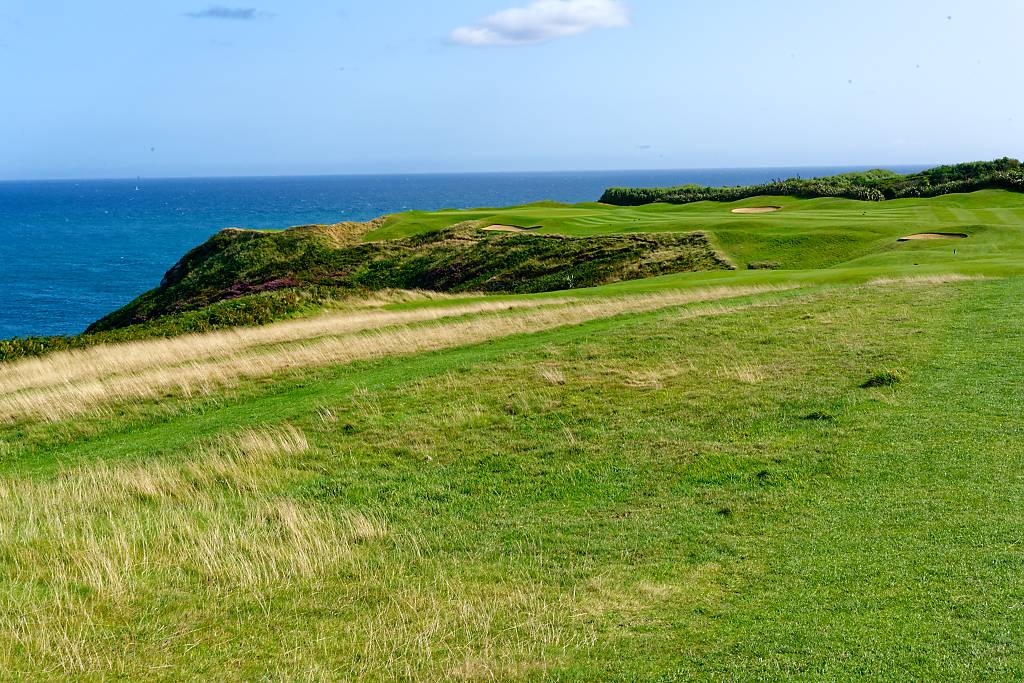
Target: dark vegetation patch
point(885, 378)
point(876, 185)
point(764, 265)
point(461, 258)
point(820, 416)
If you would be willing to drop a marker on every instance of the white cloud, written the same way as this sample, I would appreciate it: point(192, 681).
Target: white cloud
point(543, 20)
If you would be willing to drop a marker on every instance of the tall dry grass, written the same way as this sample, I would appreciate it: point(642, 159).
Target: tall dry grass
point(57, 386)
point(68, 366)
point(936, 279)
point(93, 538)
point(125, 571)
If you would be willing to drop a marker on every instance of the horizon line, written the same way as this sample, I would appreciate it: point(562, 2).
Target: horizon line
point(461, 173)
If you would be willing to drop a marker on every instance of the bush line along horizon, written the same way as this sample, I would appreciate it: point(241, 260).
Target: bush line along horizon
point(874, 186)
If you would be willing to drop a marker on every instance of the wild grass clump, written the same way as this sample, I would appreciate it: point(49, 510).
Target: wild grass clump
point(885, 378)
point(91, 539)
point(764, 265)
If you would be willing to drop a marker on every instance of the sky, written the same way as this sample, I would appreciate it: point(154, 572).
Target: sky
point(119, 88)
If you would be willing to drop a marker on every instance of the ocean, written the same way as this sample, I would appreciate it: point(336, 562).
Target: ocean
point(72, 251)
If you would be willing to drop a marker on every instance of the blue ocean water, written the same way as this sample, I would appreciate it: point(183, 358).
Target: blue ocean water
point(72, 251)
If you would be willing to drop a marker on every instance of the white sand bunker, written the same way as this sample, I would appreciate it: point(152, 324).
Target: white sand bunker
point(934, 236)
point(758, 209)
point(510, 228)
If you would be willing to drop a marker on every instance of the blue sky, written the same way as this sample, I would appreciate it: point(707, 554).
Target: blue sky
point(112, 88)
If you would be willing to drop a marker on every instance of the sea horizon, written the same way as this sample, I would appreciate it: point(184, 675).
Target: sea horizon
point(398, 174)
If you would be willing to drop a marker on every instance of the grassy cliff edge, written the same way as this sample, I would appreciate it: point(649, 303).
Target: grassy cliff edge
point(461, 258)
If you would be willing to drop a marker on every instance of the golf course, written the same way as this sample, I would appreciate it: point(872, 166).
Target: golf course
point(765, 439)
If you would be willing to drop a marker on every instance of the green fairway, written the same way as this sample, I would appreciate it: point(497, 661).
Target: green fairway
point(806, 233)
point(673, 478)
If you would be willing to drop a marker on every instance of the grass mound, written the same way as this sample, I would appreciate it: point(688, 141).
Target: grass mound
point(462, 258)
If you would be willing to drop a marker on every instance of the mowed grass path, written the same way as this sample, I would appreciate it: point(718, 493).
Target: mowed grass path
point(909, 565)
point(641, 497)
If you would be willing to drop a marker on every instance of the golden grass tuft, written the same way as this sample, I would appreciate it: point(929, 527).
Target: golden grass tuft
point(653, 378)
point(387, 297)
point(326, 415)
point(267, 443)
point(746, 373)
point(551, 375)
point(937, 279)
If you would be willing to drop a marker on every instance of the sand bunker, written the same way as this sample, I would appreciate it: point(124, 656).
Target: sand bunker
point(934, 236)
point(510, 228)
point(758, 209)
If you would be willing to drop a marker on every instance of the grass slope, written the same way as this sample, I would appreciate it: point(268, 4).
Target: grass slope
point(461, 258)
point(640, 497)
